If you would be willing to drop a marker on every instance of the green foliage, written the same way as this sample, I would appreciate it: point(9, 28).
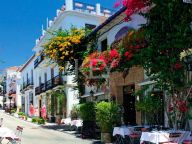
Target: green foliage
point(107, 115)
point(13, 111)
point(149, 104)
point(87, 111)
point(168, 33)
point(41, 121)
point(38, 120)
point(75, 112)
point(35, 119)
point(60, 97)
point(21, 113)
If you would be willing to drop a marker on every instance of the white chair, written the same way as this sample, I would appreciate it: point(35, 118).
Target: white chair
point(17, 138)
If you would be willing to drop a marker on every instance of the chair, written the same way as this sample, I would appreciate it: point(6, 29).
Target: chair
point(134, 138)
point(1, 122)
point(17, 138)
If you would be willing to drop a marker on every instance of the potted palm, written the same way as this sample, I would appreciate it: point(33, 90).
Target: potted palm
point(87, 114)
point(107, 115)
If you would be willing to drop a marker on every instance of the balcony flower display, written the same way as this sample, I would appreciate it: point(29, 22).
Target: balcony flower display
point(64, 45)
point(99, 63)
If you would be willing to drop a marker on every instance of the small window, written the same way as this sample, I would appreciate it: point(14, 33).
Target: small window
point(90, 26)
point(104, 45)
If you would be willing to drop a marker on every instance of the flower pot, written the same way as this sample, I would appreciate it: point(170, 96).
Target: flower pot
point(106, 137)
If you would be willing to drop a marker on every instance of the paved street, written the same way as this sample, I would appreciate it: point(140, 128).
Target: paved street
point(34, 134)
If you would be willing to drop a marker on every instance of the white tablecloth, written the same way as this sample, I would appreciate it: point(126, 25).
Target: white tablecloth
point(160, 136)
point(6, 132)
point(123, 131)
point(77, 123)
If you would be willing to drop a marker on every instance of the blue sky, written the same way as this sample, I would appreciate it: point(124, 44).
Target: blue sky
point(20, 26)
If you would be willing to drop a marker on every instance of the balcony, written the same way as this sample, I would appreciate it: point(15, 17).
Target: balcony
point(27, 85)
point(37, 90)
point(57, 80)
point(50, 84)
point(39, 59)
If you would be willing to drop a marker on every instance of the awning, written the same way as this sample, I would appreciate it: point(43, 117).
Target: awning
point(146, 82)
point(95, 94)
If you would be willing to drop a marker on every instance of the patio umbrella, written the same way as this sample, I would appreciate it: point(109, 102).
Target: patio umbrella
point(31, 110)
point(43, 111)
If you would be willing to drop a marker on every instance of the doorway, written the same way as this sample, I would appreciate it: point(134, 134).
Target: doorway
point(129, 105)
point(40, 106)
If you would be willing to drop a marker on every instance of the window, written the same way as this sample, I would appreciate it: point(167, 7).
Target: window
point(90, 26)
point(31, 76)
point(104, 45)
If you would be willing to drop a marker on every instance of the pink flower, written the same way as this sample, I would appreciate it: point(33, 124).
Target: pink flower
point(117, 4)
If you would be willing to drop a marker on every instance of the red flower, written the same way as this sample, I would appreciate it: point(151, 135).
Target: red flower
point(178, 66)
point(128, 55)
point(134, 6)
point(182, 106)
point(170, 109)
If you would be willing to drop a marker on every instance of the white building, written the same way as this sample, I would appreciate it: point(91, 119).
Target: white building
point(13, 87)
point(27, 88)
point(47, 76)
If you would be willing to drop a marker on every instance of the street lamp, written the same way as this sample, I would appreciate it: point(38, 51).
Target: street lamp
point(10, 97)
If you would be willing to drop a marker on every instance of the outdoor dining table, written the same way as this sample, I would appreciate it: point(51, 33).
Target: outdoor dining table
point(164, 136)
point(121, 132)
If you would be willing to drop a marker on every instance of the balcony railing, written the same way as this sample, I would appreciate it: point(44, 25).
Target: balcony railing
point(39, 60)
point(56, 81)
point(37, 90)
point(29, 82)
point(27, 85)
point(88, 8)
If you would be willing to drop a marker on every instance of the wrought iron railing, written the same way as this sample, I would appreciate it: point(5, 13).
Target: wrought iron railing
point(39, 60)
point(55, 81)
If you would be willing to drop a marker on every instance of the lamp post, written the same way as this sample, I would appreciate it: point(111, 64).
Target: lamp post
point(10, 97)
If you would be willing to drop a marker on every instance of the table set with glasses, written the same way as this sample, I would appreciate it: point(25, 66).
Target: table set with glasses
point(145, 134)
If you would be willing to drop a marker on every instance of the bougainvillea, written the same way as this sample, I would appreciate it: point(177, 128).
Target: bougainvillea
point(64, 45)
point(99, 63)
point(133, 6)
point(131, 45)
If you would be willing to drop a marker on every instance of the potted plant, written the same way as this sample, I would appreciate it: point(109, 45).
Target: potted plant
point(107, 115)
point(87, 114)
